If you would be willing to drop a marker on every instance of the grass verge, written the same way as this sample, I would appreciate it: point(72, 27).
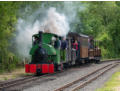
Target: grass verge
point(19, 72)
point(105, 59)
point(113, 83)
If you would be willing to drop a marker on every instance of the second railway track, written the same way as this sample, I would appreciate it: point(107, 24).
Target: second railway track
point(17, 82)
point(83, 81)
point(5, 85)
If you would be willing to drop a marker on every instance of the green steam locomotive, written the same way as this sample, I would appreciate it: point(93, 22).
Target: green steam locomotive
point(48, 56)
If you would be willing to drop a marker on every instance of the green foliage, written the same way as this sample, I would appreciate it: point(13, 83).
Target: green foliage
point(102, 20)
point(8, 12)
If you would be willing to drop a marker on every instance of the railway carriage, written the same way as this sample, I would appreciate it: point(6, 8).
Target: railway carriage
point(83, 48)
point(46, 58)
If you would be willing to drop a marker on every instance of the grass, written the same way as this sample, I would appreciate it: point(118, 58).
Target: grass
point(113, 84)
point(104, 59)
point(12, 75)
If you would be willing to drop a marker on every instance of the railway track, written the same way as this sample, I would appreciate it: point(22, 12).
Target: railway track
point(17, 82)
point(83, 81)
point(5, 85)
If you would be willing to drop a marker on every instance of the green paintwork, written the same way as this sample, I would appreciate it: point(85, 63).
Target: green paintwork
point(57, 57)
point(63, 55)
point(47, 37)
point(53, 54)
point(50, 49)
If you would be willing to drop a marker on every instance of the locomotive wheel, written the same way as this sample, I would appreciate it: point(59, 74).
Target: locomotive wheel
point(66, 65)
point(76, 63)
point(86, 61)
point(97, 61)
point(59, 67)
point(56, 67)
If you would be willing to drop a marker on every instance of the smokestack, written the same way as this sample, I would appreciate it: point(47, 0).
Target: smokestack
point(40, 38)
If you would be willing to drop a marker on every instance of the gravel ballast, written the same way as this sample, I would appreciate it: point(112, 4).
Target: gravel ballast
point(100, 81)
point(68, 76)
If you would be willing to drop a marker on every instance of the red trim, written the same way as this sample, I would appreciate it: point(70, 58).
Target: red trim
point(27, 68)
point(51, 68)
point(45, 68)
point(33, 68)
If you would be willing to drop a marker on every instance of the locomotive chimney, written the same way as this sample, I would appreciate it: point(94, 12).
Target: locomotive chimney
point(40, 38)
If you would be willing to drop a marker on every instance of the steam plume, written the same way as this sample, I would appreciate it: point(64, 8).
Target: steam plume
point(56, 23)
point(52, 20)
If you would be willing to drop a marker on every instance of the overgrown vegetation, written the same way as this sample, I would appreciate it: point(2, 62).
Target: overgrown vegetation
point(99, 19)
point(8, 19)
point(9, 13)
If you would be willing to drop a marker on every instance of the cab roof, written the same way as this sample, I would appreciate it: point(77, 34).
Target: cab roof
point(45, 33)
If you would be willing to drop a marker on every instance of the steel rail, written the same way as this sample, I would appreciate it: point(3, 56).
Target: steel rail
point(4, 85)
point(81, 78)
point(17, 82)
point(92, 79)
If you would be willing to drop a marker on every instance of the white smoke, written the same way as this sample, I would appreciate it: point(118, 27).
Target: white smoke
point(46, 20)
point(56, 23)
point(53, 22)
point(24, 36)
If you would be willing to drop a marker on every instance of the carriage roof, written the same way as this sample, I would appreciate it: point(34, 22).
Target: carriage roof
point(73, 34)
